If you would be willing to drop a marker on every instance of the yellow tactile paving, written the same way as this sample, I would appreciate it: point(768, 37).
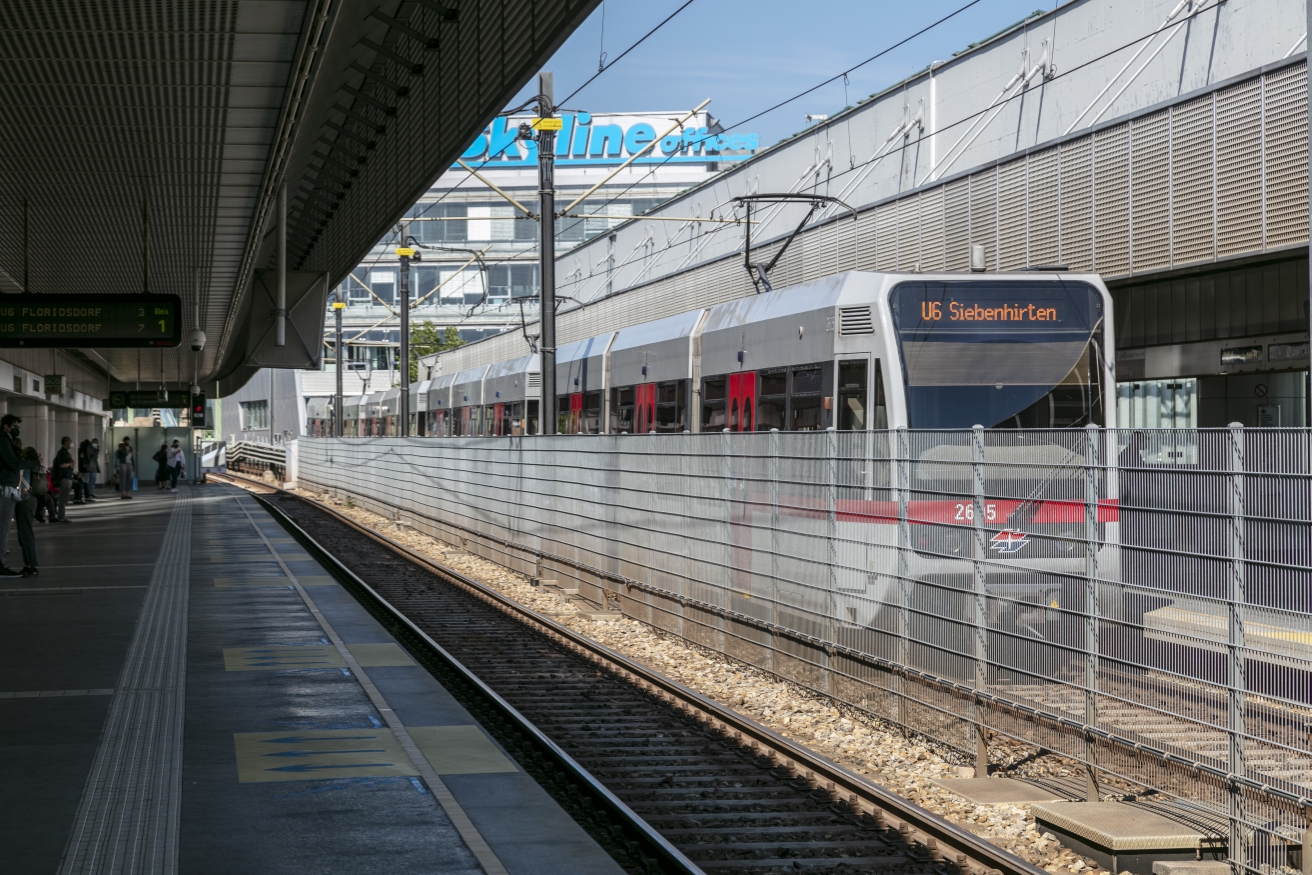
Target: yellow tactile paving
point(375, 655)
point(317, 754)
point(460, 750)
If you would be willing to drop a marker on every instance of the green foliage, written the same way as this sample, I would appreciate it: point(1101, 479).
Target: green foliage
point(427, 339)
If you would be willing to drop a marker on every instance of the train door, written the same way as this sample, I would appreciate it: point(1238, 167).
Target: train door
point(498, 414)
point(645, 408)
point(742, 401)
point(575, 412)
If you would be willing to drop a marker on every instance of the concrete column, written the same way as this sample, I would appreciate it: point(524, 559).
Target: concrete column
point(63, 423)
point(90, 426)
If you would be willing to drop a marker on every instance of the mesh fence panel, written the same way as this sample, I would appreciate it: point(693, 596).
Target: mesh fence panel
point(1140, 601)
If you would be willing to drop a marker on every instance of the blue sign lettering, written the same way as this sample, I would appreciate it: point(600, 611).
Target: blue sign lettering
point(582, 142)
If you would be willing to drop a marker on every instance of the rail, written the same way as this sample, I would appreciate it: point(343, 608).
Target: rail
point(1135, 601)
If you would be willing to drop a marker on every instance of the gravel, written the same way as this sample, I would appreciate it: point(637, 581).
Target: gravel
point(882, 752)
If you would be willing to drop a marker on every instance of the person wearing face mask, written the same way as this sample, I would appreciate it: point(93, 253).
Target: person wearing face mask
point(10, 476)
point(88, 465)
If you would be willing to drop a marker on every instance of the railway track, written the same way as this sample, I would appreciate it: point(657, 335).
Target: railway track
point(665, 779)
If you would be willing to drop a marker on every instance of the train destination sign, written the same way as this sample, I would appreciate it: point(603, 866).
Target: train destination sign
point(90, 321)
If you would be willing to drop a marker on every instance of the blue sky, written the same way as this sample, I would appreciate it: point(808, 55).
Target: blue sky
point(749, 54)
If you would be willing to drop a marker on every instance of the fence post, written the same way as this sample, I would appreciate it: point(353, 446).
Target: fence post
point(1092, 608)
point(774, 542)
point(724, 597)
point(903, 570)
point(1235, 640)
point(831, 502)
point(978, 556)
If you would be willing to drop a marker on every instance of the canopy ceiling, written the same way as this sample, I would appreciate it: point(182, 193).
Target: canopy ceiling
point(145, 142)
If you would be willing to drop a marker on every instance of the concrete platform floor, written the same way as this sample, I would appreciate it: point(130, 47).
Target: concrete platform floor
point(184, 690)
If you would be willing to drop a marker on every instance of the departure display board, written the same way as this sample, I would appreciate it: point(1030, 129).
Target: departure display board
point(90, 321)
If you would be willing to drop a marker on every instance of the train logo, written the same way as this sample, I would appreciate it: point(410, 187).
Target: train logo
point(1009, 542)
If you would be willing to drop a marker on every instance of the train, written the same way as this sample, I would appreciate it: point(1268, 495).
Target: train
point(854, 351)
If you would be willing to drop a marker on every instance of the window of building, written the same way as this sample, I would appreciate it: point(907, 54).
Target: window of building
point(512, 281)
point(254, 414)
point(383, 284)
point(441, 223)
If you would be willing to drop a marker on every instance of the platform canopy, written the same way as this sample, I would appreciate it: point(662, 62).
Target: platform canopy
point(145, 143)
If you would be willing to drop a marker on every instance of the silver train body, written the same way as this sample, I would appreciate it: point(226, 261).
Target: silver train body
point(854, 352)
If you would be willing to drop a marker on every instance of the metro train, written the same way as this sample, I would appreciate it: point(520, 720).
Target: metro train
point(852, 351)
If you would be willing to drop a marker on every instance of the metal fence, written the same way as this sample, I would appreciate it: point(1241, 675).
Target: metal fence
point(1139, 601)
point(253, 458)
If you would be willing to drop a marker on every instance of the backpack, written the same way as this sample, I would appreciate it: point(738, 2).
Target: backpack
point(40, 485)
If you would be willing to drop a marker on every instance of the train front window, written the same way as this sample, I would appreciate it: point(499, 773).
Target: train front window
point(1005, 354)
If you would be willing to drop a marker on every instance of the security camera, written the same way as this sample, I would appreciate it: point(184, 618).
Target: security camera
point(196, 340)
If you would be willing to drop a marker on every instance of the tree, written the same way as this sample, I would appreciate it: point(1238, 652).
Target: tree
point(428, 339)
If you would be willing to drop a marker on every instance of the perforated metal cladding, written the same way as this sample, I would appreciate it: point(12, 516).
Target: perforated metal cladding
point(867, 242)
point(1239, 168)
point(931, 230)
point(1150, 168)
point(1044, 206)
point(1192, 234)
point(956, 225)
point(908, 233)
point(886, 237)
point(984, 214)
point(1076, 214)
point(1013, 239)
point(1285, 99)
point(848, 241)
point(1111, 201)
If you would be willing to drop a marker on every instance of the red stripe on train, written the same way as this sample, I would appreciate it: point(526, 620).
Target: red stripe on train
point(997, 511)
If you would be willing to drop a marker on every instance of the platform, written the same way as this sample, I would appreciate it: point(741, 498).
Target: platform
point(1131, 837)
point(184, 689)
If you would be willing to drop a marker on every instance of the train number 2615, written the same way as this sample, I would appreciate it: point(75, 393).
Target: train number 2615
point(966, 513)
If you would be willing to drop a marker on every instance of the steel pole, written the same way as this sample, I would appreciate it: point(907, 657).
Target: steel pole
point(404, 429)
point(547, 254)
point(341, 364)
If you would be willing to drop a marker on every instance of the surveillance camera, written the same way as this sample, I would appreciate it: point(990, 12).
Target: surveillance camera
point(196, 340)
point(195, 389)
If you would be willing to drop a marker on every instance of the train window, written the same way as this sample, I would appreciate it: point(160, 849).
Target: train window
point(671, 405)
point(881, 402)
point(852, 395)
point(715, 393)
point(806, 413)
point(621, 411)
point(591, 413)
point(770, 414)
point(807, 380)
point(563, 415)
point(532, 417)
point(772, 382)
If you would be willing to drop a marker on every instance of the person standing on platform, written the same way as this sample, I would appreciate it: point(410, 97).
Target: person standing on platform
point(26, 510)
point(177, 459)
point(88, 465)
point(10, 477)
point(161, 460)
point(124, 460)
point(63, 478)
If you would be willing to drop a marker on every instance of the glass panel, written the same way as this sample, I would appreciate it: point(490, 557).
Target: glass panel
point(881, 402)
point(770, 414)
point(806, 413)
point(807, 380)
point(852, 395)
point(1016, 353)
point(715, 389)
point(713, 416)
point(773, 382)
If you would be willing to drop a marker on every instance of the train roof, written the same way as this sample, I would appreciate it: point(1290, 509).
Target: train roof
point(511, 380)
point(654, 351)
point(579, 365)
point(467, 390)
